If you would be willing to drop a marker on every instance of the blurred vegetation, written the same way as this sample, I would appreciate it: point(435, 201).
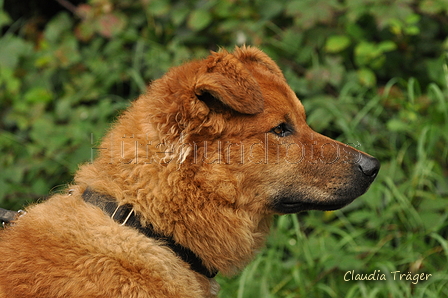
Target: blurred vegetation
point(372, 73)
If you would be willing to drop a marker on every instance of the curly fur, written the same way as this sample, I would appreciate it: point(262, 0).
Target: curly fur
point(178, 155)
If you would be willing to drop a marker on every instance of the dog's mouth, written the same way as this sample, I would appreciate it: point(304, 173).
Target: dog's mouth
point(286, 204)
point(285, 207)
point(292, 200)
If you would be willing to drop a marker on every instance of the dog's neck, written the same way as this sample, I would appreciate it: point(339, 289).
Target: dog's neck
point(189, 202)
point(125, 215)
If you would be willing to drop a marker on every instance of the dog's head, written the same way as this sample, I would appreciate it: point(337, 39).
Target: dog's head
point(235, 113)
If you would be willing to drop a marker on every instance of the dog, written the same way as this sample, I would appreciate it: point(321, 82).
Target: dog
point(185, 185)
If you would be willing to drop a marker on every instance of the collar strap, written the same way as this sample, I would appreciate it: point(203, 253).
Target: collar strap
point(125, 215)
point(7, 215)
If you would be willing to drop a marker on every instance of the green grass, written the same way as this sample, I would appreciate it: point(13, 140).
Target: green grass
point(400, 224)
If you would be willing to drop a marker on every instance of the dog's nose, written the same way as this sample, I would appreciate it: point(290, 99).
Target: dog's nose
point(369, 166)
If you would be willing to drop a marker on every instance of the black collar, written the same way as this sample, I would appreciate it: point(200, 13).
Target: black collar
point(125, 215)
point(6, 216)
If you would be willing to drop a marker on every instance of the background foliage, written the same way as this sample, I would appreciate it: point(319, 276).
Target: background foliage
point(372, 73)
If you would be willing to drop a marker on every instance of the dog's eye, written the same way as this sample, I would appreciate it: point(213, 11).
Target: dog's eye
point(282, 130)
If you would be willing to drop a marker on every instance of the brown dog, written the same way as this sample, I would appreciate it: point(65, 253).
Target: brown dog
point(185, 185)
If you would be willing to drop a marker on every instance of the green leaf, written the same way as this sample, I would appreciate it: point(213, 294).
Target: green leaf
point(11, 49)
point(9, 81)
point(84, 31)
point(387, 46)
point(4, 19)
point(412, 30)
point(337, 43)
point(320, 119)
point(38, 94)
point(158, 8)
point(413, 18)
point(58, 26)
point(179, 15)
point(396, 125)
point(355, 31)
point(199, 19)
point(366, 77)
point(365, 52)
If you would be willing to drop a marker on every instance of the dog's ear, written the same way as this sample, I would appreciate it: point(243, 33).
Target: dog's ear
point(247, 54)
point(226, 83)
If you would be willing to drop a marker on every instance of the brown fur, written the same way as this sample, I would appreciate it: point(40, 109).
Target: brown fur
point(197, 158)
